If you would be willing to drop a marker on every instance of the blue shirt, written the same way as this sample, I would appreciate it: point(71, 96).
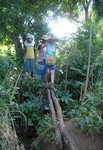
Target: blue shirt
point(50, 49)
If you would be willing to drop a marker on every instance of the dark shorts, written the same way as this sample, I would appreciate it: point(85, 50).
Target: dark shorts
point(47, 67)
point(28, 65)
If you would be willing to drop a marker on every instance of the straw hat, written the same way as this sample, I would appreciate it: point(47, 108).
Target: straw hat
point(45, 37)
point(29, 36)
point(53, 38)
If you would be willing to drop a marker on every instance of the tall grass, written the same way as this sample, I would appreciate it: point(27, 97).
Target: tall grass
point(8, 137)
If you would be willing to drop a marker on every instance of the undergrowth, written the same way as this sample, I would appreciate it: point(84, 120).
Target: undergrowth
point(89, 115)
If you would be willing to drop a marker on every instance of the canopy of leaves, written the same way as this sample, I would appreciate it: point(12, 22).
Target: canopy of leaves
point(98, 8)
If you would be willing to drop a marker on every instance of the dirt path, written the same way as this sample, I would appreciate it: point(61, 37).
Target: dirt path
point(82, 141)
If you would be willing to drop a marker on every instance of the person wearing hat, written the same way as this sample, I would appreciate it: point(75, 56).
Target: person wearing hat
point(30, 54)
point(50, 57)
point(40, 73)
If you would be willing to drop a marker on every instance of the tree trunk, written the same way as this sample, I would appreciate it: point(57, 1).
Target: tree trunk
point(57, 131)
point(66, 76)
point(89, 58)
point(18, 48)
point(86, 4)
point(86, 14)
point(65, 135)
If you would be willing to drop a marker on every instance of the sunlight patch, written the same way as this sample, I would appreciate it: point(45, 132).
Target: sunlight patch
point(62, 27)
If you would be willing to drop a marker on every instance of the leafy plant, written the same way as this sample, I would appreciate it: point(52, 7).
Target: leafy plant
point(44, 130)
point(8, 137)
point(66, 101)
point(89, 116)
point(28, 95)
point(6, 65)
point(31, 112)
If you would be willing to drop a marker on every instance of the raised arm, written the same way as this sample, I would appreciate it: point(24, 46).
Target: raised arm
point(35, 57)
point(41, 46)
point(44, 45)
point(59, 48)
point(24, 50)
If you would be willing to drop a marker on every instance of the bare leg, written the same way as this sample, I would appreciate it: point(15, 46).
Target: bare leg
point(32, 73)
point(47, 75)
point(52, 76)
point(26, 75)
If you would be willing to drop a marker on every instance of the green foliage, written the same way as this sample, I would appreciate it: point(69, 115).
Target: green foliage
point(90, 118)
point(74, 61)
point(31, 112)
point(44, 124)
point(30, 90)
point(89, 114)
point(6, 64)
point(19, 95)
point(44, 130)
point(98, 9)
point(19, 18)
point(28, 95)
point(8, 138)
point(68, 104)
point(62, 95)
